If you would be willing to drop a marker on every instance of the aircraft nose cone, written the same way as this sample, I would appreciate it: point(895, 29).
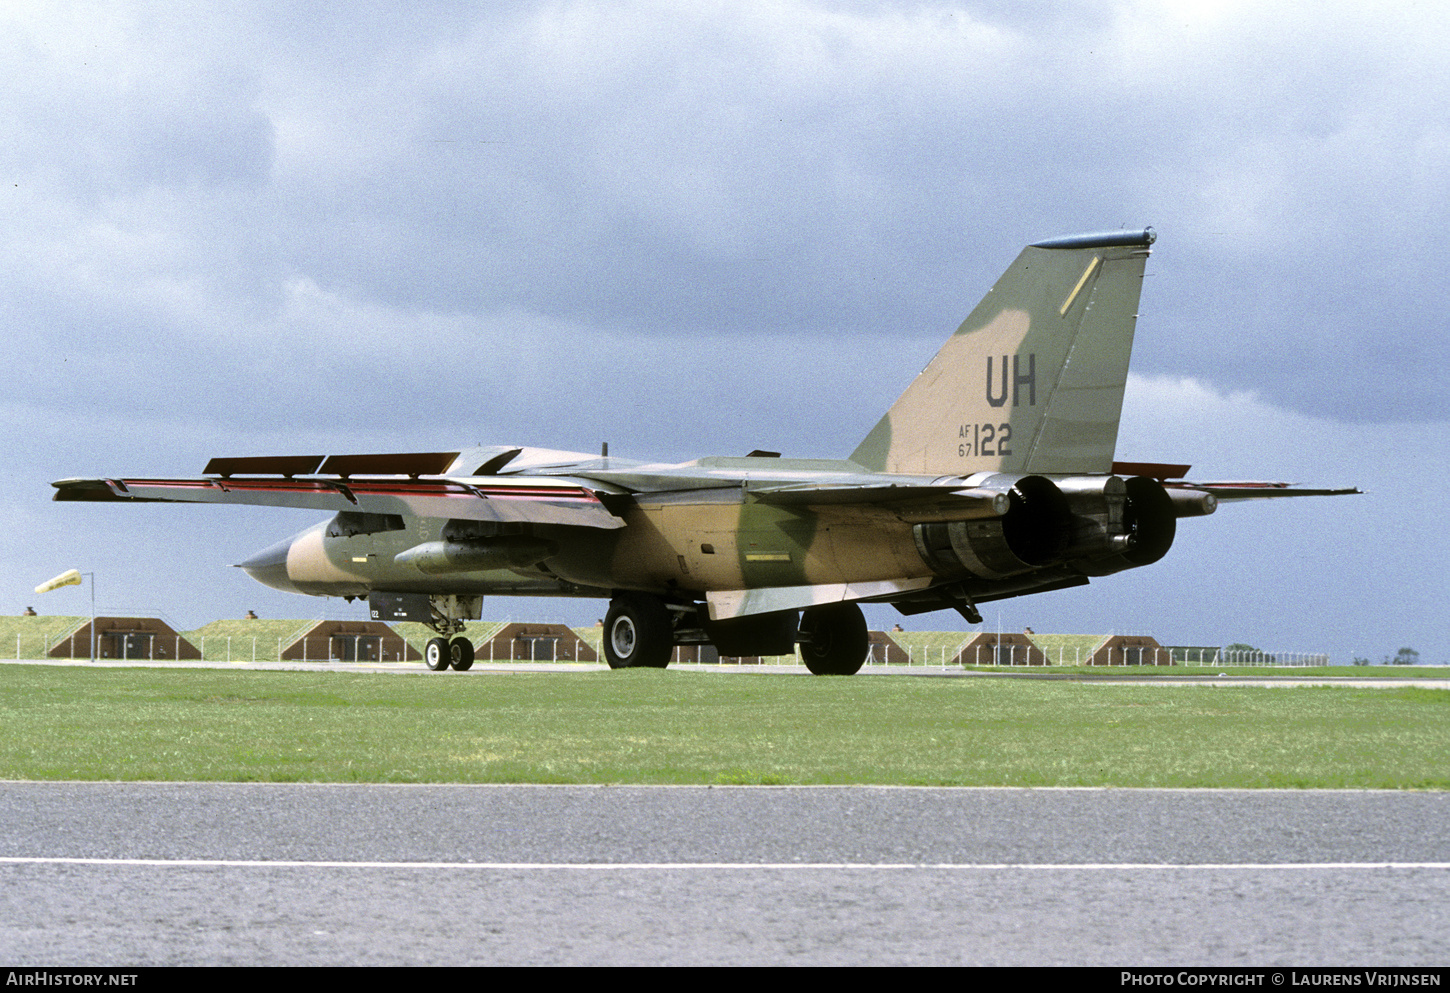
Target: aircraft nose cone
point(269, 567)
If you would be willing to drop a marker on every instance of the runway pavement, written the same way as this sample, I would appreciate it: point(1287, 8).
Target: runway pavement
point(153, 873)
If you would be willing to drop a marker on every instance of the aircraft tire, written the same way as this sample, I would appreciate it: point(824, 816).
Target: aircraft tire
point(460, 654)
point(637, 633)
point(837, 641)
point(436, 654)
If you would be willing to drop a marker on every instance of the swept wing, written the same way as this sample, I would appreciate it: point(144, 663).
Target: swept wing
point(519, 499)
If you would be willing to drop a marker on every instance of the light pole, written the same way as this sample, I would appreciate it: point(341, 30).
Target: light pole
point(72, 577)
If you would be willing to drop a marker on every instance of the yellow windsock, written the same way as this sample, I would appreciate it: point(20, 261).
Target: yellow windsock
point(71, 577)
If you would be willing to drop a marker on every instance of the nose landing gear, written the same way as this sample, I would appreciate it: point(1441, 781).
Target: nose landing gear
point(446, 616)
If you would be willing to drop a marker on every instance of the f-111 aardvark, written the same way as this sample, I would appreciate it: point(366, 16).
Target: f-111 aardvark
point(992, 476)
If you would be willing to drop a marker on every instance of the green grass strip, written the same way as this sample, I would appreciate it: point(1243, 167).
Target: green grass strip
point(706, 727)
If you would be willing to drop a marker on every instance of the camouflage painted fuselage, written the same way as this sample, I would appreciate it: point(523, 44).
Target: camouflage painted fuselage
point(686, 531)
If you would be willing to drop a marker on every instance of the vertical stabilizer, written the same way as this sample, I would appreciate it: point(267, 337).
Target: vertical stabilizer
point(1033, 379)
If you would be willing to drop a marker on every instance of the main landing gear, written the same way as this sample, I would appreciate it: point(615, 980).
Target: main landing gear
point(640, 632)
point(833, 639)
point(442, 653)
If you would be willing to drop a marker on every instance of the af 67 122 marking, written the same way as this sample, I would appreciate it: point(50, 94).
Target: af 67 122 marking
point(981, 438)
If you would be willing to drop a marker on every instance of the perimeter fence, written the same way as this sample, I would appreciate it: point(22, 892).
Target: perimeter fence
point(937, 649)
point(1022, 655)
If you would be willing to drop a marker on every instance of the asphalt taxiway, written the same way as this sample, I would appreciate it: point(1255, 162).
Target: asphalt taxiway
point(214, 874)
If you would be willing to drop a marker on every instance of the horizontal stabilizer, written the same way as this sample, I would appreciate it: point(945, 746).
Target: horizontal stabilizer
point(1242, 490)
point(1171, 476)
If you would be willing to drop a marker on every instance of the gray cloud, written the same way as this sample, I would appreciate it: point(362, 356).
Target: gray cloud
point(662, 169)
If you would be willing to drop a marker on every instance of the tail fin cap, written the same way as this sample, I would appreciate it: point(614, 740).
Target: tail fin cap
point(1103, 239)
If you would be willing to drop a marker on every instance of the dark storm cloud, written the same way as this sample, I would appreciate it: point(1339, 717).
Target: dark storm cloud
point(749, 170)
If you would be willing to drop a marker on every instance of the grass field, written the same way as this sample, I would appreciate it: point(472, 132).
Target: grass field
point(708, 727)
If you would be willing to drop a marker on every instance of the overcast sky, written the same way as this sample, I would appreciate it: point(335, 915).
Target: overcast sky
point(265, 228)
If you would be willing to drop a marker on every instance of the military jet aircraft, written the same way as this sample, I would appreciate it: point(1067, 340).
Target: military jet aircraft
point(992, 476)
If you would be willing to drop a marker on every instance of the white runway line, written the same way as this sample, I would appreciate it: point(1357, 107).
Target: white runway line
point(627, 866)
